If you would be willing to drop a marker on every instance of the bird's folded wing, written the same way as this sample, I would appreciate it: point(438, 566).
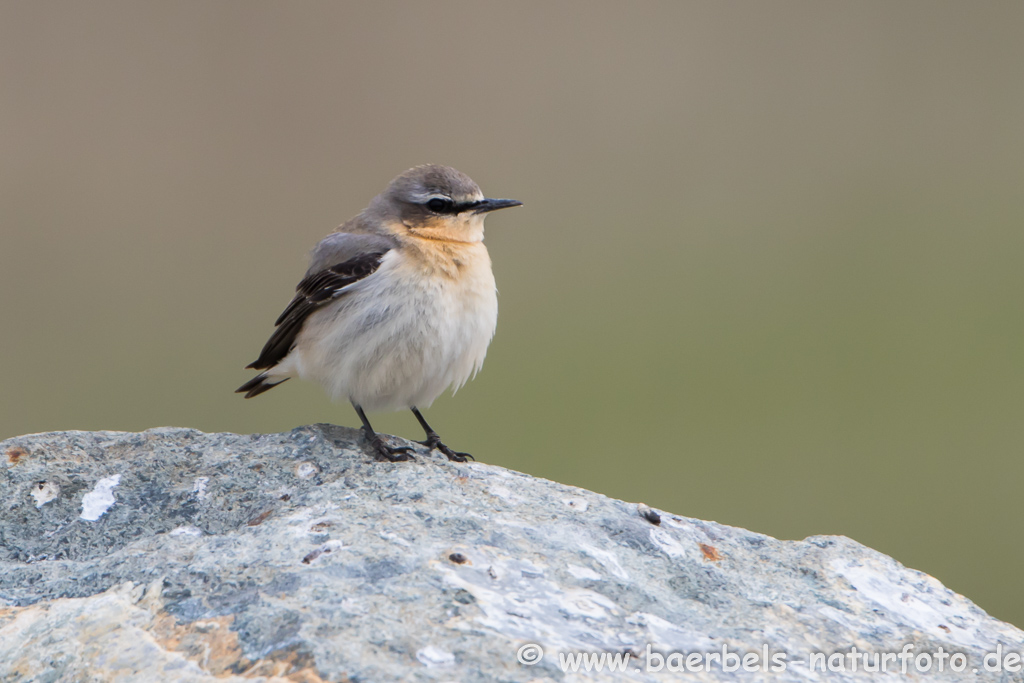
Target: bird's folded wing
point(338, 261)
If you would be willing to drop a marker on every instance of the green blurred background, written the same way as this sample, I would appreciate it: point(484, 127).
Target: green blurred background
point(769, 270)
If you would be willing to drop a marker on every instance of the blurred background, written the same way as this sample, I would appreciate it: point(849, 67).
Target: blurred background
point(768, 272)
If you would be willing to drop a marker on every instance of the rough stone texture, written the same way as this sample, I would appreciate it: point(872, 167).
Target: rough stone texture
point(173, 555)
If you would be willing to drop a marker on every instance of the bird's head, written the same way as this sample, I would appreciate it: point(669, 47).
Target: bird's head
point(435, 202)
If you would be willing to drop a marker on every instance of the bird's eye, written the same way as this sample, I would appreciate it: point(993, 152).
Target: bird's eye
point(438, 205)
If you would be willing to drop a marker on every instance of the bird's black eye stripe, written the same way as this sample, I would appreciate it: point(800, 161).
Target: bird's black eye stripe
point(439, 205)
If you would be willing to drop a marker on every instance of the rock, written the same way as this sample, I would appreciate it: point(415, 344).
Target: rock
point(173, 555)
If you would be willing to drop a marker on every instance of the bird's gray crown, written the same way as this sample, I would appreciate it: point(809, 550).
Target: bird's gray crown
point(420, 184)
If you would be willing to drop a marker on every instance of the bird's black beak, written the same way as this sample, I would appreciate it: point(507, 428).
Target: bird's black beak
point(486, 205)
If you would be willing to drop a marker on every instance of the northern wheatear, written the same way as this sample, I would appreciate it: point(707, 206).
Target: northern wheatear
point(398, 304)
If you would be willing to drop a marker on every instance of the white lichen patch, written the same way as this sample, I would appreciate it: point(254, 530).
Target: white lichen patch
point(431, 656)
point(669, 544)
point(925, 605)
point(305, 470)
point(44, 492)
point(98, 501)
point(199, 486)
point(583, 572)
point(607, 560)
point(503, 493)
point(665, 635)
point(354, 606)
point(514, 599)
point(395, 538)
point(577, 504)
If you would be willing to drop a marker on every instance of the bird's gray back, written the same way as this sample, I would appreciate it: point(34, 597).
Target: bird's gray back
point(339, 247)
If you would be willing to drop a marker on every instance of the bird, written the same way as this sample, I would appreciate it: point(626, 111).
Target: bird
point(398, 304)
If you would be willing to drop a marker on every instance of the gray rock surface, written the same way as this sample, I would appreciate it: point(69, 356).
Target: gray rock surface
point(174, 555)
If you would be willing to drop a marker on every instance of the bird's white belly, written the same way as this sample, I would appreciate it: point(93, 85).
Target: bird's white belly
point(400, 340)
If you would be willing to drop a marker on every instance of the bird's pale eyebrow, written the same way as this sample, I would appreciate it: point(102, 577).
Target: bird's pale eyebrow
point(424, 197)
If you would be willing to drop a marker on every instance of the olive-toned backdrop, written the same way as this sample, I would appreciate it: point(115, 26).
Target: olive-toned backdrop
point(769, 270)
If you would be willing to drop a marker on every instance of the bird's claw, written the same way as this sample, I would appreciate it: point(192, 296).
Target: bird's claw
point(390, 453)
point(433, 442)
point(455, 456)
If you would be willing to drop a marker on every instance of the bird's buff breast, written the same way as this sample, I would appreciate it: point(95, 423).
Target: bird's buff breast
point(400, 337)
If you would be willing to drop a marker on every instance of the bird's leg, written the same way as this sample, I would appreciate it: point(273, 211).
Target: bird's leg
point(381, 449)
point(434, 441)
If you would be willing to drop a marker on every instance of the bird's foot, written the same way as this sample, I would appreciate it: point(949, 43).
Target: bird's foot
point(382, 451)
point(434, 441)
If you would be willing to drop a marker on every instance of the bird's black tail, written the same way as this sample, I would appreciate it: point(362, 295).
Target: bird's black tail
point(257, 385)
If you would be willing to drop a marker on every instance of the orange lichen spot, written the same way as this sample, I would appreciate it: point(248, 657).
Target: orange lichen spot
point(710, 552)
point(290, 667)
point(213, 645)
point(14, 455)
point(210, 642)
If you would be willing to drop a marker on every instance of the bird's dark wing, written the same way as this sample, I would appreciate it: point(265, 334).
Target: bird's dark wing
point(317, 289)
